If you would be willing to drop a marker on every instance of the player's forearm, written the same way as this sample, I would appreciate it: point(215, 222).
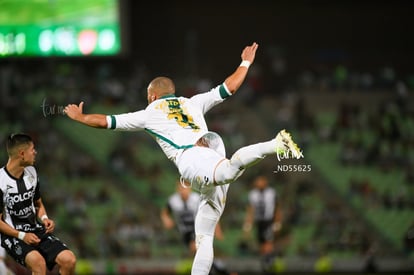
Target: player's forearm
point(92, 120)
point(235, 80)
point(8, 230)
point(41, 211)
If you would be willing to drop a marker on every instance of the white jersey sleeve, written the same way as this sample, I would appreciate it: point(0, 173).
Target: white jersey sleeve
point(127, 122)
point(206, 101)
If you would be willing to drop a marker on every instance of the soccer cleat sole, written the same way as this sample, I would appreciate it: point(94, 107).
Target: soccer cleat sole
point(292, 147)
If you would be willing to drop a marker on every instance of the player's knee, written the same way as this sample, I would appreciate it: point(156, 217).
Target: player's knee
point(66, 260)
point(36, 263)
point(226, 173)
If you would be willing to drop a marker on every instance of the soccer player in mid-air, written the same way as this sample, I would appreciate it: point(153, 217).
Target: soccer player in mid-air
point(179, 127)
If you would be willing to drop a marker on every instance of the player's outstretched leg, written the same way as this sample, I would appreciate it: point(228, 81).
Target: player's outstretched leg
point(230, 170)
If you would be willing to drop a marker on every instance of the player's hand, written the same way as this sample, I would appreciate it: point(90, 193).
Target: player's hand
point(168, 223)
point(31, 238)
point(219, 235)
point(74, 111)
point(276, 226)
point(49, 225)
point(249, 52)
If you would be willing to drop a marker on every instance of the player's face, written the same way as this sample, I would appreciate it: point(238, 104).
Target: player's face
point(28, 154)
point(261, 183)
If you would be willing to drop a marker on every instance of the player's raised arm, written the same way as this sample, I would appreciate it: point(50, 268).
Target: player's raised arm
point(75, 112)
point(234, 81)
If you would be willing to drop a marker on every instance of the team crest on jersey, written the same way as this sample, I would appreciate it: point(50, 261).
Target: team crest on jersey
point(9, 202)
point(31, 179)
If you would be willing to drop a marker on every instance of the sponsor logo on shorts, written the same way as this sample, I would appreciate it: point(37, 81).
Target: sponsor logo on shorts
point(18, 249)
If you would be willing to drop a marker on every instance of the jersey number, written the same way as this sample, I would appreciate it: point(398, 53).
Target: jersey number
point(177, 113)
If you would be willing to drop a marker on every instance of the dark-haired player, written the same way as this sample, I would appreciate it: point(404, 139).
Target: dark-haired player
point(26, 230)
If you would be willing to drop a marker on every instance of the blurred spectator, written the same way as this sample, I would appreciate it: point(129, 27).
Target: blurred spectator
point(133, 235)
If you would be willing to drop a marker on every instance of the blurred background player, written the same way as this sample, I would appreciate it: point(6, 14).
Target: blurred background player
point(29, 242)
point(264, 213)
point(180, 212)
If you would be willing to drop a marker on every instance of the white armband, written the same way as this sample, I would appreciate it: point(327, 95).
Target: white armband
point(21, 235)
point(245, 63)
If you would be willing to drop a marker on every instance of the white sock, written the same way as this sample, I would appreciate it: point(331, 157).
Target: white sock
point(250, 155)
point(204, 256)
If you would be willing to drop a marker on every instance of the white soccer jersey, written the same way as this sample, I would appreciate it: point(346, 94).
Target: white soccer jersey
point(176, 123)
point(17, 197)
point(263, 202)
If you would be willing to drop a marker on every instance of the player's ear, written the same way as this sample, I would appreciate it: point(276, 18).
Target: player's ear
point(21, 152)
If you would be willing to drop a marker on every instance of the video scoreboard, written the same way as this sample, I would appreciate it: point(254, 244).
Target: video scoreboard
point(59, 28)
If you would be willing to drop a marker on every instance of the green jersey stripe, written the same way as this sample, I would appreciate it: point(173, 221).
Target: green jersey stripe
point(169, 141)
point(113, 122)
point(223, 92)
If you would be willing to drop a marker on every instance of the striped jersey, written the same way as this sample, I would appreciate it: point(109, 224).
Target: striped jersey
point(176, 123)
point(18, 197)
point(184, 211)
point(263, 203)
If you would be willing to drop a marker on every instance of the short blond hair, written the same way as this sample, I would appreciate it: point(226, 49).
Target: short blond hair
point(162, 86)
